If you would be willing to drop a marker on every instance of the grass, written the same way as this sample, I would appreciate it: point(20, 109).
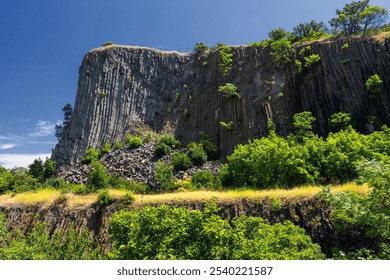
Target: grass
point(47, 197)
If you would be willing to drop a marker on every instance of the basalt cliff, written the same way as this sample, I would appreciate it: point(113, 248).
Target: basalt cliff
point(124, 89)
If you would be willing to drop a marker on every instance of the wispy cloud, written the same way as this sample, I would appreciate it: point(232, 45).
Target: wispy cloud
point(42, 128)
point(19, 160)
point(7, 146)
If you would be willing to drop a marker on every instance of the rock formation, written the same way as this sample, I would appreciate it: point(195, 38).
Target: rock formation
point(123, 89)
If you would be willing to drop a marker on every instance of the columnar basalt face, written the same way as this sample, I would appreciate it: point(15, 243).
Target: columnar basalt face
point(122, 89)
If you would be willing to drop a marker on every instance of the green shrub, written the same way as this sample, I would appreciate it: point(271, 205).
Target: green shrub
point(298, 65)
point(164, 176)
point(201, 47)
point(374, 84)
point(35, 169)
point(148, 137)
point(276, 204)
point(128, 198)
point(282, 51)
point(104, 150)
point(339, 121)
point(228, 126)
point(117, 182)
point(181, 161)
point(226, 60)
point(118, 145)
point(164, 232)
point(101, 92)
point(91, 155)
point(104, 198)
point(196, 153)
point(202, 179)
point(98, 177)
point(133, 141)
point(108, 43)
point(165, 144)
point(49, 168)
point(229, 90)
point(312, 59)
point(209, 147)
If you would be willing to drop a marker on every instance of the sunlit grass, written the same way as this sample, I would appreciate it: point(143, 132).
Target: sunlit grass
point(72, 200)
point(45, 196)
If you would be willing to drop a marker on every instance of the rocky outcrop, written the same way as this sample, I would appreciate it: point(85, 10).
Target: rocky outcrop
point(136, 165)
point(310, 214)
point(123, 89)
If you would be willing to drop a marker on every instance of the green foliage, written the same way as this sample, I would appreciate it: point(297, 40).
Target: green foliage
point(35, 169)
point(59, 128)
point(186, 113)
point(312, 59)
point(118, 145)
point(276, 204)
point(104, 150)
point(298, 65)
point(91, 155)
point(104, 198)
point(128, 198)
point(133, 141)
point(115, 181)
point(201, 48)
point(202, 179)
point(226, 60)
point(209, 147)
point(98, 177)
point(309, 31)
point(282, 51)
point(181, 161)
point(101, 92)
point(303, 124)
point(108, 43)
point(278, 34)
point(280, 94)
point(374, 84)
point(165, 144)
point(358, 17)
point(229, 90)
point(345, 46)
point(49, 168)
point(228, 126)
point(339, 121)
point(164, 175)
point(39, 245)
point(177, 233)
point(196, 153)
point(148, 137)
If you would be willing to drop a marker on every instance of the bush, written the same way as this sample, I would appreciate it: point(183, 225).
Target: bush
point(148, 137)
point(165, 144)
point(108, 43)
point(282, 51)
point(202, 179)
point(128, 198)
point(181, 161)
point(164, 176)
point(374, 84)
point(118, 145)
point(276, 204)
point(104, 150)
point(201, 47)
point(226, 60)
point(178, 233)
point(229, 90)
point(133, 141)
point(339, 121)
point(209, 147)
point(91, 155)
point(49, 168)
point(196, 153)
point(36, 169)
point(104, 198)
point(98, 177)
point(312, 59)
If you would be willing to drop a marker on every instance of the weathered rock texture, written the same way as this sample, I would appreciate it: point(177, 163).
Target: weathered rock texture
point(310, 214)
point(122, 89)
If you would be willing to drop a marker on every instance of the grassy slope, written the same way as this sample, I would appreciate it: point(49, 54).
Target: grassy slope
point(48, 197)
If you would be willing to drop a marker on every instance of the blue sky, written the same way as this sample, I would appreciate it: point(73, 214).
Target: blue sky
point(44, 41)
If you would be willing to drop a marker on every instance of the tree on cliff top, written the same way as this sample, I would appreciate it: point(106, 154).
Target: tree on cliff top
point(67, 109)
point(358, 18)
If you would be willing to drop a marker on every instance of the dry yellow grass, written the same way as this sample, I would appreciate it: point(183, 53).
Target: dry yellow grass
point(381, 36)
point(47, 197)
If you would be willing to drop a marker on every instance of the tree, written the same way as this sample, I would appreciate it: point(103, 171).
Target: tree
point(339, 121)
point(309, 30)
point(278, 34)
point(358, 17)
point(36, 169)
point(49, 168)
point(303, 124)
point(59, 128)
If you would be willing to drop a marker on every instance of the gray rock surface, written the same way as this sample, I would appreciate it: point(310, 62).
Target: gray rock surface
point(123, 89)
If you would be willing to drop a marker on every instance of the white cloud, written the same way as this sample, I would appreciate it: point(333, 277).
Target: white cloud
point(43, 128)
point(19, 160)
point(7, 146)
